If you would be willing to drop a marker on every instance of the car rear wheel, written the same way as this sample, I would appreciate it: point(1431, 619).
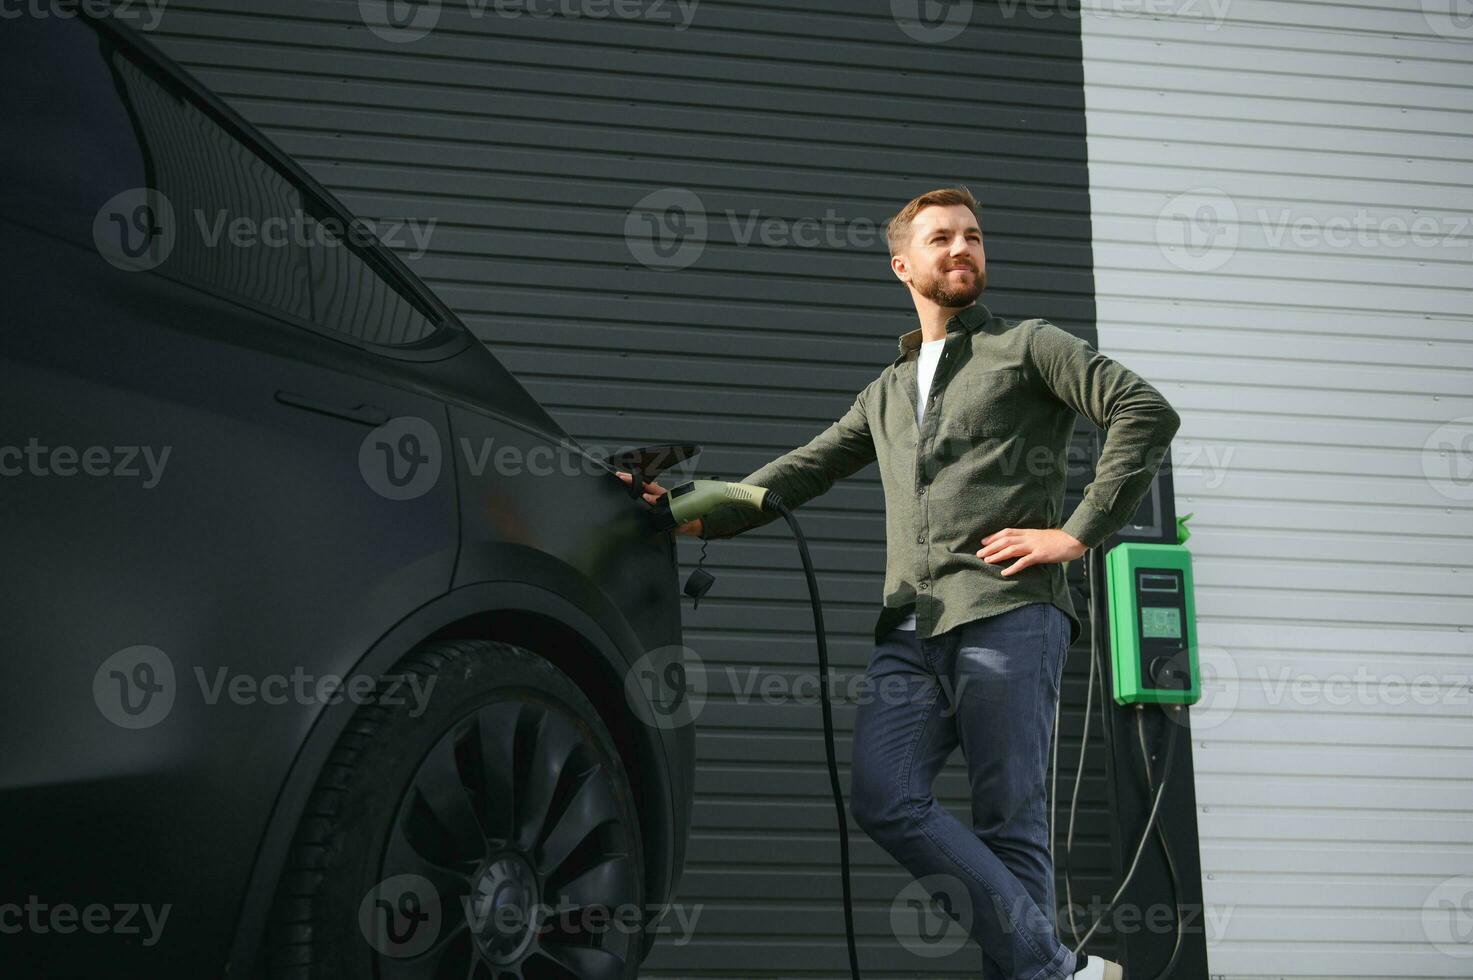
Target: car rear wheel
point(482, 828)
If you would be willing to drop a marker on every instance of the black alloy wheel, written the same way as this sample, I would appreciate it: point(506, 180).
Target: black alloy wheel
point(484, 829)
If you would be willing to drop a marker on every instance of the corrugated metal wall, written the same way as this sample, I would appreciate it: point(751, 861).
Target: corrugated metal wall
point(1325, 383)
point(532, 142)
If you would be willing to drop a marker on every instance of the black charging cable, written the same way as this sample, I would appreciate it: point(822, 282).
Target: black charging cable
point(773, 502)
point(1140, 729)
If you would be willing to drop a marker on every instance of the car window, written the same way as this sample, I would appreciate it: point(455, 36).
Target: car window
point(182, 196)
point(68, 144)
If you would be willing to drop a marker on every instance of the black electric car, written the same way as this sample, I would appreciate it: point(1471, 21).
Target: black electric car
point(319, 630)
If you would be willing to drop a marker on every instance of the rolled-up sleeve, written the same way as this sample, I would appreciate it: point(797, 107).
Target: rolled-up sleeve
point(1139, 424)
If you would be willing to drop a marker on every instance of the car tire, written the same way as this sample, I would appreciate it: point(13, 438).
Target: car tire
point(484, 828)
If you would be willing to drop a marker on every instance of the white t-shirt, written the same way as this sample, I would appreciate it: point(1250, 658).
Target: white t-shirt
point(929, 356)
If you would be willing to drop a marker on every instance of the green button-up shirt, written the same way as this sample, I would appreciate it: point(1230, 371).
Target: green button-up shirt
point(991, 453)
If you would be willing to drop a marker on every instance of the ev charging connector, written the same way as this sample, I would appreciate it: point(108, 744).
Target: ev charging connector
point(696, 498)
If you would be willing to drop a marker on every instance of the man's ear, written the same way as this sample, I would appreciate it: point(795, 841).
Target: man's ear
point(901, 268)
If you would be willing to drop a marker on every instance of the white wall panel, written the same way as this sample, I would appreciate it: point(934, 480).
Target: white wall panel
point(1334, 749)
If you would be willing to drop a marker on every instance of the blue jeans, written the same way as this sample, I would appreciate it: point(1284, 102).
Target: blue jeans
point(990, 686)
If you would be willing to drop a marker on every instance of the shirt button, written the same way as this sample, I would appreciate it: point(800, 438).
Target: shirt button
point(924, 585)
point(920, 539)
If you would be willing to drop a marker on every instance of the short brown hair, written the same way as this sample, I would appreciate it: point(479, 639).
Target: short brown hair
point(897, 229)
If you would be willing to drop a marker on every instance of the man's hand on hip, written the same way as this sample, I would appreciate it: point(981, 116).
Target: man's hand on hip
point(1031, 546)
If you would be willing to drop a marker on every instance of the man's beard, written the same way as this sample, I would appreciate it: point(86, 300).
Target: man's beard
point(939, 290)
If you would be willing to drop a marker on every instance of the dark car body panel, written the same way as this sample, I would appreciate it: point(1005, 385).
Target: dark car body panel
point(263, 549)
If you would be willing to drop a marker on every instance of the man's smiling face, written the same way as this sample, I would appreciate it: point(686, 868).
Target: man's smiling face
point(944, 260)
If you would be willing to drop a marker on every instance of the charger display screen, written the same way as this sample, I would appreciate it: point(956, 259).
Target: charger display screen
point(1160, 622)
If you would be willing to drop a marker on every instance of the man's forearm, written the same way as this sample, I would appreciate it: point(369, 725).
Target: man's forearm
point(1139, 424)
point(1132, 454)
point(798, 476)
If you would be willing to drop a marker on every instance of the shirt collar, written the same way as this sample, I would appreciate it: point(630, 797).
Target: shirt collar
point(967, 320)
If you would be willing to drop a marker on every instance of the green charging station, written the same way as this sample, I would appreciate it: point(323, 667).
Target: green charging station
point(1153, 627)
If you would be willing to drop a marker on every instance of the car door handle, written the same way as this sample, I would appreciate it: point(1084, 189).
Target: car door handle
point(362, 414)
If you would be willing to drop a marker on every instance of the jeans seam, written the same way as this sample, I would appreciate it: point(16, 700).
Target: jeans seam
point(910, 811)
point(1045, 972)
point(910, 753)
point(1051, 642)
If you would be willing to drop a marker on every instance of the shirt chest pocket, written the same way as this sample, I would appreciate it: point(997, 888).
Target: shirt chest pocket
point(988, 403)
